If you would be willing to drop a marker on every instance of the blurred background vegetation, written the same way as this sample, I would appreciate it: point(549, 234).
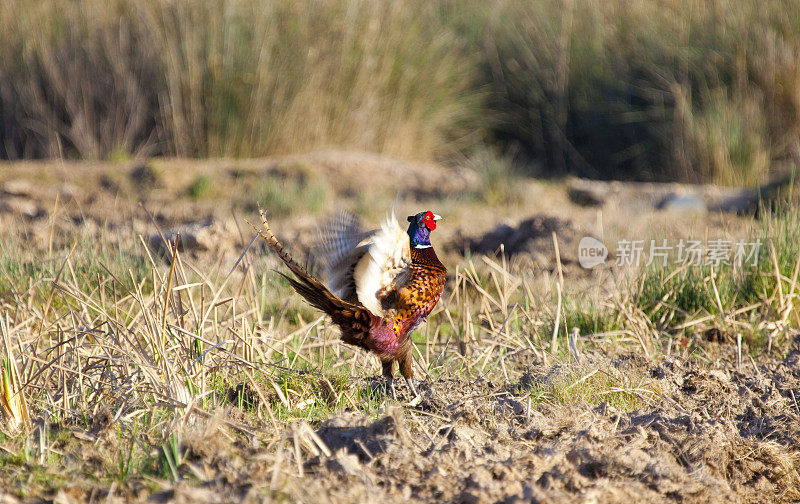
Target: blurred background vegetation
point(645, 89)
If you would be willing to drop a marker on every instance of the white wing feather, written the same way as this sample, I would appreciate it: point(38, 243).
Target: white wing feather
point(388, 255)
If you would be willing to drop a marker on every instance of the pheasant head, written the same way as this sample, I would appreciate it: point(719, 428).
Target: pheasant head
point(420, 227)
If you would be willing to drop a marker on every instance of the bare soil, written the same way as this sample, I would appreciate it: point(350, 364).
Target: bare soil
point(715, 435)
point(152, 197)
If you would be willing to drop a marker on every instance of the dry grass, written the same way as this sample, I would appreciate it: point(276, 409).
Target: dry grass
point(94, 332)
point(229, 78)
point(653, 90)
point(656, 89)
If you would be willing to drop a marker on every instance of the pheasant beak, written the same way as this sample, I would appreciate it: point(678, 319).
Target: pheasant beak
point(437, 217)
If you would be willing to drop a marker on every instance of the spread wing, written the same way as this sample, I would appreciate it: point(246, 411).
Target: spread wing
point(384, 267)
point(340, 245)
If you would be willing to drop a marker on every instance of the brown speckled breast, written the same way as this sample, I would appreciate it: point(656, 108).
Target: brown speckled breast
point(421, 293)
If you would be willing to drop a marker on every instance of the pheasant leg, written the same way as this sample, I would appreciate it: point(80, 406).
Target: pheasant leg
point(389, 376)
point(407, 370)
point(410, 383)
point(392, 388)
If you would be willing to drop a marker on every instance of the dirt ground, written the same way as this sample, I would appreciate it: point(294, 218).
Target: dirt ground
point(703, 431)
point(714, 435)
point(717, 435)
point(154, 195)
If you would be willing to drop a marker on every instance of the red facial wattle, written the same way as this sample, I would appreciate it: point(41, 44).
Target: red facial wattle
point(429, 220)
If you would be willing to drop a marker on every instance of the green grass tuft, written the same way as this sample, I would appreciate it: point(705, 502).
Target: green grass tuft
point(201, 187)
point(282, 195)
point(592, 385)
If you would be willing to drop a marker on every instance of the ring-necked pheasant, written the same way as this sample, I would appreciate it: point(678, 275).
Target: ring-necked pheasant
point(381, 285)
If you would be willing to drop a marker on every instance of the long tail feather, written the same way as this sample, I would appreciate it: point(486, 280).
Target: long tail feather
point(306, 285)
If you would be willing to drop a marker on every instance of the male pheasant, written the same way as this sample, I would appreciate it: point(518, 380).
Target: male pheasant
point(381, 285)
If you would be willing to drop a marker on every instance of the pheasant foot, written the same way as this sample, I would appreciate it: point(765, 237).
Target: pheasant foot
point(417, 398)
